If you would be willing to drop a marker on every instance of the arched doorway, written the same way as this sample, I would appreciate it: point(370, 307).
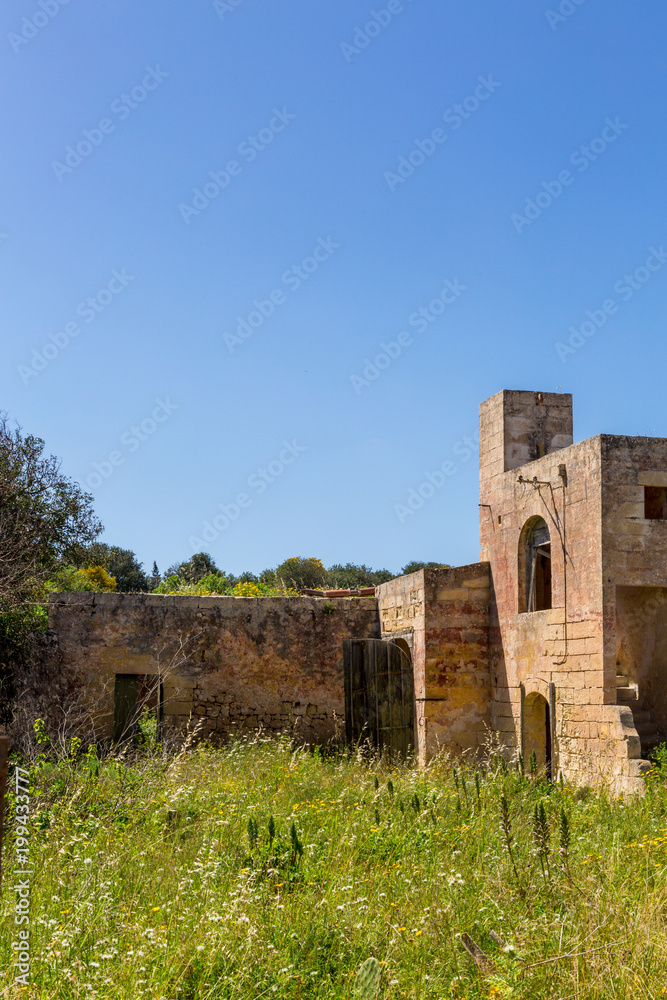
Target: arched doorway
point(405, 646)
point(537, 731)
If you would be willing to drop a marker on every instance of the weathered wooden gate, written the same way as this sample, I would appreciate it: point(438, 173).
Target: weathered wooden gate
point(379, 694)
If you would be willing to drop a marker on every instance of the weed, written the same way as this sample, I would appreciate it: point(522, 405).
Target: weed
point(263, 870)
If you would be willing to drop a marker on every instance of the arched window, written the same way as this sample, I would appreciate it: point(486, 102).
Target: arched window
point(535, 566)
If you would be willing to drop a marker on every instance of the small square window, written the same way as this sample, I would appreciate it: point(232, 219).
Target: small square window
point(655, 503)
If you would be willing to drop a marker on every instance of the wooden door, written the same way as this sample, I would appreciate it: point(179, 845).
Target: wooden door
point(126, 706)
point(379, 695)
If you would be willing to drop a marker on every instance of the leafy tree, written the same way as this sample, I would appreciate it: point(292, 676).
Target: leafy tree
point(155, 578)
point(353, 577)
point(122, 564)
point(302, 573)
point(413, 567)
point(199, 565)
point(93, 578)
point(45, 518)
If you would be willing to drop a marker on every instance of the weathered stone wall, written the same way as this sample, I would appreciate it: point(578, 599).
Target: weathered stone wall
point(556, 653)
point(443, 615)
point(457, 686)
point(518, 427)
point(402, 616)
point(231, 662)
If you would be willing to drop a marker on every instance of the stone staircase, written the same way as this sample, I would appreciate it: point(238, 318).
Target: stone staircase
point(627, 693)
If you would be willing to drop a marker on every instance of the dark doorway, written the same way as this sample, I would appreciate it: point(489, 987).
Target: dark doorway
point(137, 708)
point(537, 731)
point(379, 694)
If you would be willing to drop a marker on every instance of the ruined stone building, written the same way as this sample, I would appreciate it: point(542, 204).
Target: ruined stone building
point(556, 640)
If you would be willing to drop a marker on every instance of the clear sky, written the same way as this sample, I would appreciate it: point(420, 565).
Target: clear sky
point(213, 216)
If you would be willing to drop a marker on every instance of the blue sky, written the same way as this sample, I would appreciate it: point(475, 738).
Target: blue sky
point(305, 112)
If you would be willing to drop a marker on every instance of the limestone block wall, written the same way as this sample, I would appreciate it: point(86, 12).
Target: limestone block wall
point(230, 662)
point(402, 616)
point(443, 616)
point(457, 683)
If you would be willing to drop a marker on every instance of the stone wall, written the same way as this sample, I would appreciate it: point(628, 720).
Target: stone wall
point(230, 662)
point(402, 617)
point(442, 615)
point(457, 684)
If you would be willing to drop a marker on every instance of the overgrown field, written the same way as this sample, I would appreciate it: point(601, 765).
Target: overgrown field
point(265, 871)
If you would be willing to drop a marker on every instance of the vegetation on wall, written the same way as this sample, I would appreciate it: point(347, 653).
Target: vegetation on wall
point(200, 575)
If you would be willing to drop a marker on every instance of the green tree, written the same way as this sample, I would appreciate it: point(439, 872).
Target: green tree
point(353, 577)
point(122, 564)
point(302, 573)
point(155, 578)
point(413, 567)
point(199, 565)
point(46, 519)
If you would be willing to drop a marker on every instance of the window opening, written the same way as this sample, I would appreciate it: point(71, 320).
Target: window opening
point(538, 568)
point(655, 503)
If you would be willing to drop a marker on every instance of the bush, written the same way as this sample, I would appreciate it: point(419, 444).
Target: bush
point(302, 573)
point(93, 578)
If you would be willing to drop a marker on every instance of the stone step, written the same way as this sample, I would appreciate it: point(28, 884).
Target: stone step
point(640, 716)
point(622, 680)
point(626, 694)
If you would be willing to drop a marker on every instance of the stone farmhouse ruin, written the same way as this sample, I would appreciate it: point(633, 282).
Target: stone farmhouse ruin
point(556, 640)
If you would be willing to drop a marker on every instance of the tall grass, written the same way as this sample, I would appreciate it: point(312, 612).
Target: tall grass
point(265, 871)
